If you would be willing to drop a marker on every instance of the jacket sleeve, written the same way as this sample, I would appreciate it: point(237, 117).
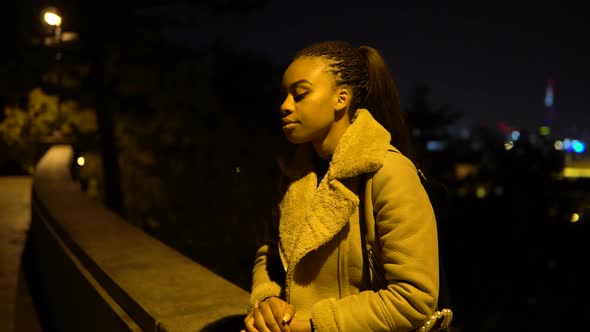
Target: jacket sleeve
point(268, 274)
point(407, 235)
point(263, 283)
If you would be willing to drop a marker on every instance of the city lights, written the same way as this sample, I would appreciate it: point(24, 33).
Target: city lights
point(576, 172)
point(558, 145)
point(435, 146)
point(578, 147)
point(509, 145)
point(481, 192)
point(573, 145)
point(549, 112)
point(567, 144)
point(544, 131)
point(549, 94)
point(81, 161)
point(575, 217)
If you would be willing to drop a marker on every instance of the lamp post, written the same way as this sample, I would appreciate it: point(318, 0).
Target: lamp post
point(52, 18)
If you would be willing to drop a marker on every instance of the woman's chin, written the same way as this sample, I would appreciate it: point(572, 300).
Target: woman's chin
point(296, 140)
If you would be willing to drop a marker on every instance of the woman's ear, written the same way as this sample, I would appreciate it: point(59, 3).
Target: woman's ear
point(343, 101)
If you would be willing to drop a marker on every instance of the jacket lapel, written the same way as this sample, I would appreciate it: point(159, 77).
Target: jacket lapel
point(312, 215)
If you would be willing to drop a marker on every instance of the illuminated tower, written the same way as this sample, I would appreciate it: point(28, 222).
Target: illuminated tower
point(549, 111)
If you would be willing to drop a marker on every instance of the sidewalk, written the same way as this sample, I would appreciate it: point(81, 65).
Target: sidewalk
point(16, 309)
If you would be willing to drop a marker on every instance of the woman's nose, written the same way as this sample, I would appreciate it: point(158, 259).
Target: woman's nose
point(286, 106)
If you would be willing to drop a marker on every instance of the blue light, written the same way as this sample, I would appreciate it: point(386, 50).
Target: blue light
point(515, 135)
point(567, 144)
point(549, 100)
point(435, 146)
point(578, 147)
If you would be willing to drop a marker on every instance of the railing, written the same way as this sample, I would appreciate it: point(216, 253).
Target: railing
point(90, 270)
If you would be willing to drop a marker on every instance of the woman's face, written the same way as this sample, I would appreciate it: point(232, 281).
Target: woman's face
point(308, 111)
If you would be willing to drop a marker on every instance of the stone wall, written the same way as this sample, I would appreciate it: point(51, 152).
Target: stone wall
point(90, 270)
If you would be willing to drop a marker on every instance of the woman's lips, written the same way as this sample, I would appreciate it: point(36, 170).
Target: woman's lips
point(288, 123)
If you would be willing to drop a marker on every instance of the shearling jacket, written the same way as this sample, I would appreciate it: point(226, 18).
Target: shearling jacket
point(314, 259)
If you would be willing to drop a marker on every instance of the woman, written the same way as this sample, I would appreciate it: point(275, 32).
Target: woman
point(349, 168)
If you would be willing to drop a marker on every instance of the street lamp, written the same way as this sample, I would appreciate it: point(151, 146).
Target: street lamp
point(52, 18)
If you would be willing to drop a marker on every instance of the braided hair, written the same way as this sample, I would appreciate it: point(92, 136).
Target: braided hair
point(364, 70)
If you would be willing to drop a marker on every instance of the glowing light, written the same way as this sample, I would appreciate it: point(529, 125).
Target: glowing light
point(81, 161)
point(578, 147)
point(567, 144)
point(238, 169)
point(549, 94)
point(52, 18)
point(549, 100)
point(544, 130)
point(571, 172)
point(575, 217)
point(481, 192)
point(508, 145)
point(558, 145)
point(435, 146)
point(515, 135)
point(463, 170)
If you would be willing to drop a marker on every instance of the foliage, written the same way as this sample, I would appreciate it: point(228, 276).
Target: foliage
point(196, 154)
point(425, 120)
point(430, 123)
point(192, 127)
point(23, 129)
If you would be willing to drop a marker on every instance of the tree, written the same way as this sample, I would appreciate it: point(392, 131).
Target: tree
point(429, 123)
point(194, 160)
point(23, 129)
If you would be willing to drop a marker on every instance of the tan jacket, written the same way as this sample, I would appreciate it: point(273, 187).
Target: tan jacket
point(316, 261)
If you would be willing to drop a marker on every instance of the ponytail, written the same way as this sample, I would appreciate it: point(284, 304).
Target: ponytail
point(382, 100)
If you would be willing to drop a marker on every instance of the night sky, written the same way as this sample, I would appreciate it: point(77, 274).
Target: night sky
point(491, 60)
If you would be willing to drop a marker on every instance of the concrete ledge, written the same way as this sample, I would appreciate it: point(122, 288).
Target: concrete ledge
point(93, 271)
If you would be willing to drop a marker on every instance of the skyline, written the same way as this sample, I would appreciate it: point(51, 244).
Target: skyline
point(491, 61)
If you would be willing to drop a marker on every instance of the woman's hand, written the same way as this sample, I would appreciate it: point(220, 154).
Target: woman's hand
point(272, 315)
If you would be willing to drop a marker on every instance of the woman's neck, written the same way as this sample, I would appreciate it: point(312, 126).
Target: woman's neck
point(325, 147)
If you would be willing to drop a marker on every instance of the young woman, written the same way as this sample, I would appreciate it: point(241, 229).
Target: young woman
point(350, 168)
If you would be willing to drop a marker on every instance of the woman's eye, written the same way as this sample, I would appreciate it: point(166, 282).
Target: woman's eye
point(299, 96)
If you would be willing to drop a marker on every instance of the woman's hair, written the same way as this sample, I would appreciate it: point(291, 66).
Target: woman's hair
point(364, 70)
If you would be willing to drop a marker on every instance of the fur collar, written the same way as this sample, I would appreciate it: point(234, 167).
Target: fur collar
point(360, 150)
point(312, 215)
